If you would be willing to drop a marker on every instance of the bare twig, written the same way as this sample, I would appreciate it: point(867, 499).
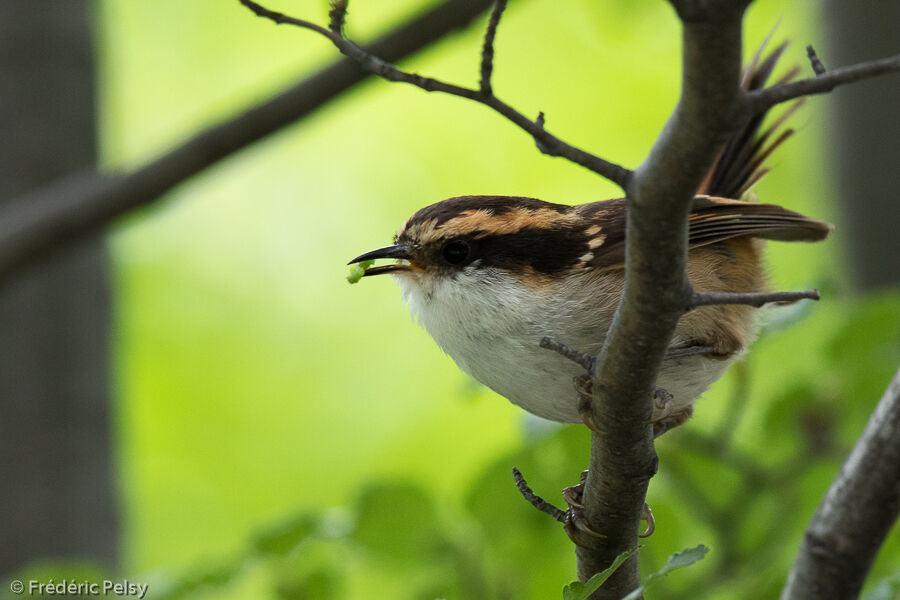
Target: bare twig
point(487, 50)
point(535, 500)
point(758, 101)
point(550, 144)
point(816, 64)
point(750, 298)
point(283, 19)
point(577, 356)
point(857, 513)
point(45, 219)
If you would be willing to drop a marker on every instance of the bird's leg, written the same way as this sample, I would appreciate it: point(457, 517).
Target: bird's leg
point(585, 401)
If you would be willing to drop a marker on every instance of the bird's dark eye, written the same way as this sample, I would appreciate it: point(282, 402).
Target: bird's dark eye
point(456, 252)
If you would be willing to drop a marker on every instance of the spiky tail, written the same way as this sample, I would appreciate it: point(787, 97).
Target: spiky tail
point(740, 164)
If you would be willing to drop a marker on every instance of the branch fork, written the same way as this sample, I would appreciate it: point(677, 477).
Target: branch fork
point(483, 95)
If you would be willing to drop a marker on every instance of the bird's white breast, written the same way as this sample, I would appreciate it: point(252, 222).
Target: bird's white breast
point(491, 324)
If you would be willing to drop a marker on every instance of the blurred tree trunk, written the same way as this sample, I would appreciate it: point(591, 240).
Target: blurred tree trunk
point(865, 140)
point(57, 496)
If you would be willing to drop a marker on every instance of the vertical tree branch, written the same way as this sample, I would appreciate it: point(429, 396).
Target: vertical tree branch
point(659, 198)
point(858, 511)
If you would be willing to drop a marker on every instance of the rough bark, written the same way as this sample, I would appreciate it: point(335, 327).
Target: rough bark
point(659, 198)
point(857, 513)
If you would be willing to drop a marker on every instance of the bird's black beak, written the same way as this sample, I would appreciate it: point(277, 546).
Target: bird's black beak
point(398, 251)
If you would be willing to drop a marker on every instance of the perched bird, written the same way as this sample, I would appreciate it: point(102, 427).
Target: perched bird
point(490, 276)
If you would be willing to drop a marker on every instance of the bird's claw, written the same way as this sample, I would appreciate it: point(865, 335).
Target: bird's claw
point(647, 515)
point(663, 402)
point(575, 514)
point(574, 495)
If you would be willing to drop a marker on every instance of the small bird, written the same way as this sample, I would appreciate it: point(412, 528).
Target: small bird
point(490, 276)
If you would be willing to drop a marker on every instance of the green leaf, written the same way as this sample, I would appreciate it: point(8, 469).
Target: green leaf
point(280, 539)
point(581, 591)
point(685, 558)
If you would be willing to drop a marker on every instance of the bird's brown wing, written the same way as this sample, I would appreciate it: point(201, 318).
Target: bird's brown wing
point(716, 219)
point(712, 220)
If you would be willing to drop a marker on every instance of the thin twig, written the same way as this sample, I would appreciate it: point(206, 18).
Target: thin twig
point(576, 356)
point(487, 50)
point(553, 145)
point(761, 100)
point(749, 298)
point(283, 19)
point(535, 500)
point(816, 64)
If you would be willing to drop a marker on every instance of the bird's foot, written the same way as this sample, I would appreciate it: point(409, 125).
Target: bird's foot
point(575, 523)
point(667, 417)
point(585, 401)
point(671, 421)
point(663, 402)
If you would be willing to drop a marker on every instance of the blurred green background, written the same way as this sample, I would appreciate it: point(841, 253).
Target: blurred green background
point(282, 434)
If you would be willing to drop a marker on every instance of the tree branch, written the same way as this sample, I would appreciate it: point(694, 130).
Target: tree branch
point(547, 142)
point(659, 198)
point(765, 99)
point(858, 511)
point(43, 220)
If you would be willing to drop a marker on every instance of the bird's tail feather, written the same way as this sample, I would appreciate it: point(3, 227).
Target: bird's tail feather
point(741, 163)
